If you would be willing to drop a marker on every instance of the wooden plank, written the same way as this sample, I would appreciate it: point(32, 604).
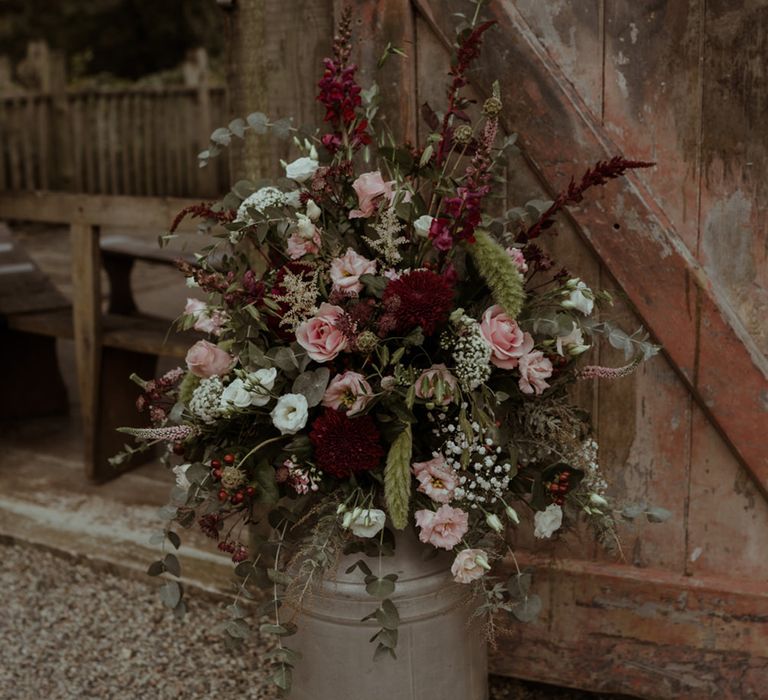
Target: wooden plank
point(653, 99)
point(146, 144)
point(137, 183)
point(14, 145)
point(29, 156)
point(42, 122)
point(86, 301)
point(4, 138)
point(153, 213)
point(123, 142)
point(100, 152)
point(672, 297)
point(112, 144)
point(646, 633)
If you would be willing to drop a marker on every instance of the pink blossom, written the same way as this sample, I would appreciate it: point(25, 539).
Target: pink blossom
point(346, 272)
point(319, 335)
point(369, 186)
point(348, 392)
point(442, 528)
point(204, 359)
point(469, 565)
point(207, 320)
point(436, 479)
point(507, 340)
point(534, 369)
point(426, 385)
point(518, 258)
point(298, 246)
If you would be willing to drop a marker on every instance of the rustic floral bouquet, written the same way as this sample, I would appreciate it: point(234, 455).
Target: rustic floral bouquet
point(386, 351)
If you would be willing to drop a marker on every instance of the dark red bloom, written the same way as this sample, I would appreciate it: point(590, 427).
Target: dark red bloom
point(345, 446)
point(420, 298)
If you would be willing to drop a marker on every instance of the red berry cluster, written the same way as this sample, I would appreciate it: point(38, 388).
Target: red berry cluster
point(238, 550)
point(234, 497)
point(558, 488)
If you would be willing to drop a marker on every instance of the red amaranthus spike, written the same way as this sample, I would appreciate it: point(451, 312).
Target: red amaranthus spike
point(599, 174)
point(202, 210)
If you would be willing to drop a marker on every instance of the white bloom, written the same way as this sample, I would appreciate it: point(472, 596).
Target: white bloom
point(581, 297)
point(301, 169)
point(305, 228)
point(293, 199)
point(290, 414)
point(364, 522)
point(236, 395)
point(260, 383)
point(422, 225)
point(180, 470)
point(313, 211)
point(548, 521)
point(260, 200)
point(573, 343)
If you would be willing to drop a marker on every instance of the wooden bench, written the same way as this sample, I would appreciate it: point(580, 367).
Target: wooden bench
point(108, 347)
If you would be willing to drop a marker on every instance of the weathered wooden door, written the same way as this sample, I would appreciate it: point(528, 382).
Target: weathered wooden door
point(683, 248)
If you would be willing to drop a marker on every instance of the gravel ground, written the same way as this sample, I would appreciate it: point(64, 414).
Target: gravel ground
point(68, 631)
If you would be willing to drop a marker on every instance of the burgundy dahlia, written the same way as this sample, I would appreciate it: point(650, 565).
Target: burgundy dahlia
point(345, 446)
point(420, 298)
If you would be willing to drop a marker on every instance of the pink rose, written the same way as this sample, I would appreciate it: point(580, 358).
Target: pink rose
point(436, 480)
point(426, 385)
point(348, 392)
point(298, 246)
point(469, 565)
point(346, 272)
point(204, 359)
point(368, 187)
point(442, 528)
point(518, 258)
point(508, 342)
point(319, 335)
point(534, 369)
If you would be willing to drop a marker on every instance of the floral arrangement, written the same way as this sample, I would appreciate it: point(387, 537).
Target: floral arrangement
point(384, 351)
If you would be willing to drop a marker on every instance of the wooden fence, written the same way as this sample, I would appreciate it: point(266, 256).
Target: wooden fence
point(137, 141)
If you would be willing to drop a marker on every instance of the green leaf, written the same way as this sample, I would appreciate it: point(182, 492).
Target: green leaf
point(156, 568)
point(657, 514)
point(238, 629)
point(279, 630)
point(380, 588)
point(374, 284)
point(527, 609)
point(312, 385)
point(264, 476)
point(171, 564)
point(387, 615)
point(258, 121)
point(170, 594)
point(237, 127)
point(279, 577)
point(382, 651)
point(222, 136)
point(282, 128)
point(243, 189)
point(519, 585)
point(397, 479)
point(283, 678)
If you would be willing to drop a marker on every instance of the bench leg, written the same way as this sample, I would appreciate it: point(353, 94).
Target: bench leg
point(30, 376)
point(117, 408)
point(118, 269)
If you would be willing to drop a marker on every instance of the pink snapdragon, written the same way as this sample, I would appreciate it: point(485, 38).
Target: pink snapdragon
point(347, 270)
point(534, 370)
point(369, 187)
point(507, 340)
point(442, 528)
point(518, 258)
point(436, 479)
point(349, 392)
point(319, 335)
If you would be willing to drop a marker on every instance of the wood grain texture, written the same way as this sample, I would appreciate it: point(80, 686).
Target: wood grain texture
point(674, 295)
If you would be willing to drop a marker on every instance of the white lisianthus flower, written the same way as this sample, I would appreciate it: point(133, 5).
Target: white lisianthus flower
point(293, 199)
point(366, 522)
point(290, 414)
point(573, 343)
point(301, 169)
point(180, 470)
point(236, 395)
point(581, 297)
point(260, 383)
point(548, 521)
point(422, 225)
point(313, 211)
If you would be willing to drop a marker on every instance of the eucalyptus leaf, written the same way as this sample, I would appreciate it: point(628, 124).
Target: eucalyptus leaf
point(172, 565)
point(527, 609)
point(258, 121)
point(657, 514)
point(380, 588)
point(312, 385)
point(222, 136)
point(170, 594)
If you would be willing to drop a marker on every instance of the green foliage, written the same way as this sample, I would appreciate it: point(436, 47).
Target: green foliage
point(187, 386)
point(397, 478)
point(499, 272)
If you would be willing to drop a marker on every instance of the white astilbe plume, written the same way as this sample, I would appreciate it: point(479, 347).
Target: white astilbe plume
point(300, 296)
point(388, 241)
